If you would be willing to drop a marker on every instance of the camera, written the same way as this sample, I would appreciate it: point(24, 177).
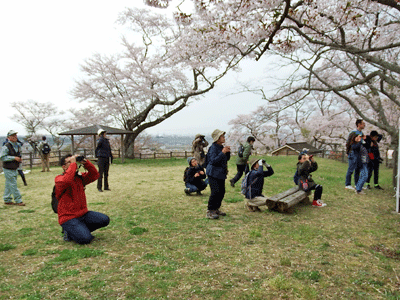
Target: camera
point(80, 158)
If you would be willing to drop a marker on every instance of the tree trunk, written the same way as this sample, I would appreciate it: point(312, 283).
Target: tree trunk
point(394, 145)
point(129, 144)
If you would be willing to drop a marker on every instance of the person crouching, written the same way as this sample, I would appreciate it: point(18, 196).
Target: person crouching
point(255, 184)
point(194, 177)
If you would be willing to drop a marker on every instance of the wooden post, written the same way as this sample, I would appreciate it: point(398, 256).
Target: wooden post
point(94, 146)
point(30, 160)
point(123, 151)
point(72, 145)
point(170, 156)
point(140, 155)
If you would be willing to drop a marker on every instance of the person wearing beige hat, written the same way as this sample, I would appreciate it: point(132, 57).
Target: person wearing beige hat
point(104, 155)
point(217, 170)
point(11, 157)
point(198, 146)
point(255, 184)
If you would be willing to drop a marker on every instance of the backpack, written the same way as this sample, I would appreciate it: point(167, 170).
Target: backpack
point(245, 186)
point(296, 178)
point(46, 148)
point(240, 150)
point(54, 200)
point(185, 174)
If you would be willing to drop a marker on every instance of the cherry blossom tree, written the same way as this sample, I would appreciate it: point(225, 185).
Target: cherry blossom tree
point(147, 83)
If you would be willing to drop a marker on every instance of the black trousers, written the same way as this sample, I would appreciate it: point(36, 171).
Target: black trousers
point(104, 165)
point(240, 170)
point(217, 187)
point(318, 192)
point(373, 166)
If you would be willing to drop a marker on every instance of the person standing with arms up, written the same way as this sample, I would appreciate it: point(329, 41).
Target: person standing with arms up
point(242, 163)
point(217, 170)
point(104, 155)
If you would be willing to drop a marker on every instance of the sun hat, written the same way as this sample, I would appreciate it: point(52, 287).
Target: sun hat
point(199, 135)
point(216, 134)
point(11, 132)
point(100, 131)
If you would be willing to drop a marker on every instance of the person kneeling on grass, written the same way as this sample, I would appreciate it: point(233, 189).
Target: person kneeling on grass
point(255, 184)
point(73, 216)
point(193, 177)
point(306, 165)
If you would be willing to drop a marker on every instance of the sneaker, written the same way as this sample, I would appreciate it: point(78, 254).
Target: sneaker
point(100, 190)
point(232, 183)
point(65, 237)
point(199, 193)
point(249, 207)
point(360, 192)
point(20, 204)
point(368, 187)
point(8, 203)
point(187, 191)
point(349, 187)
point(220, 213)
point(378, 187)
point(318, 203)
point(211, 214)
point(107, 189)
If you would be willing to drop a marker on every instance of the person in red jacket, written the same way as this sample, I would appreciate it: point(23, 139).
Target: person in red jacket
point(73, 216)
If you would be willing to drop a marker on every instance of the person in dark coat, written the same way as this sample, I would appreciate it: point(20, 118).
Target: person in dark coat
point(371, 142)
point(194, 177)
point(217, 170)
point(255, 184)
point(305, 166)
point(104, 155)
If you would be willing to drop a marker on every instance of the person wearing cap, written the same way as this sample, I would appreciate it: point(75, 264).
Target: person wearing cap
point(19, 170)
point(44, 154)
point(242, 162)
point(306, 165)
point(216, 171)
point(255, 184)
point(352, 157)
point(11, 157)
point(198, 146)
point(194, 177)
point(104, 155)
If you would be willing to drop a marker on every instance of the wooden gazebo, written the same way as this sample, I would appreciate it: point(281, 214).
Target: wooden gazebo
point(92, 130)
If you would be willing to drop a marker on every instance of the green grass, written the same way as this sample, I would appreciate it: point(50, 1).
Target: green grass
point(160, 245)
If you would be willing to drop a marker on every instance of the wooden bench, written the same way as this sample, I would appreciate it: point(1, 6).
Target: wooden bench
point(287, 199)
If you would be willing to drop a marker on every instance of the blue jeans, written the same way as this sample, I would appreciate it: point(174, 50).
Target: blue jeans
point(353, 167)
point(194, 188)
point(10, 188)
point(79, 229)
point(363, 177)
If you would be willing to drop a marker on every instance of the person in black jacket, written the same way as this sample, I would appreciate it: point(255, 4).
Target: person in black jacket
point(104, 155)
point(305, 166)
point(255, 184)
point(371, 143)
point(194, 177)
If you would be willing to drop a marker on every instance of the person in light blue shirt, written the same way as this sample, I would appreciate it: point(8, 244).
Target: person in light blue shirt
point(11, 156)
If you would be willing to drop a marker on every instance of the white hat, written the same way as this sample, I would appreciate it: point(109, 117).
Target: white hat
point(100, 131)
point(11, 132)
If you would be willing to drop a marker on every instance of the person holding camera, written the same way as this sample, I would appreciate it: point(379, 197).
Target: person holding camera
point(255, 184)
point(217, 170)
point(372, 141)
point(104, 155)
point(198, 146)
point(11, 157)
point(352, 157)
point(242, 161)
point(73, 215)
point(305, 166)
point(194, 177)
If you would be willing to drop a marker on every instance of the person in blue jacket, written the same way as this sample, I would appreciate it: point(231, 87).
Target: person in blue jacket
point(255, 182)
point(217, 170)
point(194, 177)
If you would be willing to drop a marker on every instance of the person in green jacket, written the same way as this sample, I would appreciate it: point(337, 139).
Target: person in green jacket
point(242, 162)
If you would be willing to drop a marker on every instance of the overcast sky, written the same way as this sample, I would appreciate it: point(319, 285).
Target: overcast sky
point(44, 42)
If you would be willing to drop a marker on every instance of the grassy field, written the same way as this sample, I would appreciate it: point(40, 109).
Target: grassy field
point(160, 245)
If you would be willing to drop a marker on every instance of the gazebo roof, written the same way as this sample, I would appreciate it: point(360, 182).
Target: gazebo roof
point(298, 147)
point(92, 130)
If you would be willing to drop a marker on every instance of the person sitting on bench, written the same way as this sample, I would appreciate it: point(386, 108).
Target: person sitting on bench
point(306, 165)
